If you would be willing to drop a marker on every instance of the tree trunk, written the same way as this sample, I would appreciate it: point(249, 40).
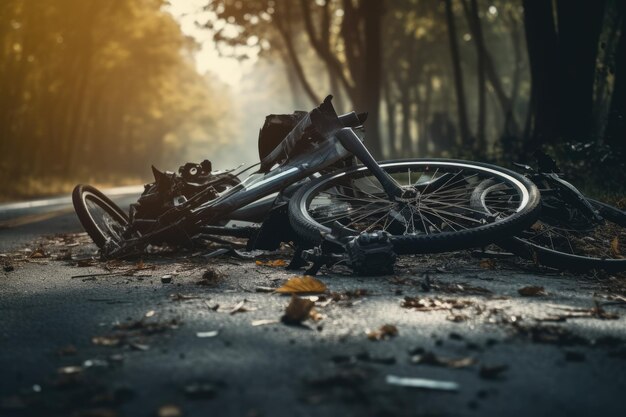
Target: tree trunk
point(458, 76)
point(541, 40)
point(371, 87)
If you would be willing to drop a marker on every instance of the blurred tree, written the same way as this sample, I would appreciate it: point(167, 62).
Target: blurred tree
point(94, 90)
point(345, 35)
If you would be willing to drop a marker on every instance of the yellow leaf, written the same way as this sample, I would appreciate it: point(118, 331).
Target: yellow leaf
point(385, 332)
point(303, 284)
point(615, 249)
point(275, 263)
point(298, 310)
point(488, 264)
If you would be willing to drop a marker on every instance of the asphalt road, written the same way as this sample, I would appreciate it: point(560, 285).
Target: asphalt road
point(127, 343)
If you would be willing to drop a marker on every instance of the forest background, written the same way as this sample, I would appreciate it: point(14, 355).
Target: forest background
point(97, 91)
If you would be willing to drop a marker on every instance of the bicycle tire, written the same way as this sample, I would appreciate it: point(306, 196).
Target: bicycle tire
point(312, 232)
point(83, 194)
point(569, 261)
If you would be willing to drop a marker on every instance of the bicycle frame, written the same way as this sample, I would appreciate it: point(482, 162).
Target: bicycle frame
point(338, 143)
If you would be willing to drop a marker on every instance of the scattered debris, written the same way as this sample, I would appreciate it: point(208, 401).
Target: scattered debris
point(69, 350)
point(140, 346)
point(264, 322)
point(492, 371)
point(70, 370)
point(150, 313)
point(276, 263)
point(210, 278)
point(573, 356)
point(264, 289)
point(106, 340)
point(435, 303)
point(208, 334)
point(169, 410)
point(200, 391)
point(297, 311)
point(166, 279)
point(532, 291)
point(381, 360)
point(182, 297)
point(238, 308)
point(429, 358)
point(302, 285)
point(488, 263)
point(422, 383)
point(385, 332)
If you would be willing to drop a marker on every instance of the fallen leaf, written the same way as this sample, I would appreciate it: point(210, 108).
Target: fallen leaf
point(297, 311)
point(211, 333)
point(303, 284)
point(532, 291)
point(169, 410)
point(182, 297)
point(615, 247)
point(488, 264)
point(429, 358)
point(106, 340)
point(492, 372)
point(315, 315)
point(385, 332)
point(273, 263)
point(238, 308)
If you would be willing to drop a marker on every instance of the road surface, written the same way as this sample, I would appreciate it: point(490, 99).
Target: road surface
point(170, 336)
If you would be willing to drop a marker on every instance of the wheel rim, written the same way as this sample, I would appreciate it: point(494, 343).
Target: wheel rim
point(599, 241)
point(442, 203)
point(563, 230)
point(106, 219)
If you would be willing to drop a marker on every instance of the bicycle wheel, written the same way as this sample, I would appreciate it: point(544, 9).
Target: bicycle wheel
point(101, 218)
point(439, 218)
point(564, 238)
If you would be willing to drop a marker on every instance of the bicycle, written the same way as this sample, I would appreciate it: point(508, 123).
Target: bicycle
point(369, 211)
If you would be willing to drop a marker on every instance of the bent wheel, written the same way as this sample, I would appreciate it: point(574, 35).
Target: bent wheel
point(439, 216)
point(101, 218)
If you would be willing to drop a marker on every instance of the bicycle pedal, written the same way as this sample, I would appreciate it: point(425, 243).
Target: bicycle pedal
point(371, 254)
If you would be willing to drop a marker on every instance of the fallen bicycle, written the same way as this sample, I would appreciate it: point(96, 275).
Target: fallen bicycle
point(318, 187)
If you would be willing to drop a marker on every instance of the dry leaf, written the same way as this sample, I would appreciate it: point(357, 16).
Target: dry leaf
point(238, 308)
point(169, 411)
point(492, 372)
point(615, 249)
point(488, 264)
point(297, 311)
point(385, 332)
point(315, 315)
point(303, 284)
point(274, 264)
point(532, 291)
point(429, 358)
point(106, 340)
